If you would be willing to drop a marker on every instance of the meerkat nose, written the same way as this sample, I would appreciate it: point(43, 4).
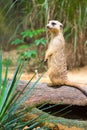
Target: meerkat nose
point(48, 26)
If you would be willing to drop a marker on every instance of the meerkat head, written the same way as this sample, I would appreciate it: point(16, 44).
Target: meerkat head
point(54, 26)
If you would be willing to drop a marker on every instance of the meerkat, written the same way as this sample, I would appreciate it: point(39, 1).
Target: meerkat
point(56, 58)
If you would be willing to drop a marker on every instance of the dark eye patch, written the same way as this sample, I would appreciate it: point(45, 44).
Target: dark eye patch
point(53, 23)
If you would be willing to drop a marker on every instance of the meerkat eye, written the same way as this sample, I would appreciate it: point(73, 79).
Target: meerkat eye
point(53, 23)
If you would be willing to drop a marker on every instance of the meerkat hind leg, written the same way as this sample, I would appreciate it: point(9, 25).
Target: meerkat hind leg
point(55, 82)
point(53, 85)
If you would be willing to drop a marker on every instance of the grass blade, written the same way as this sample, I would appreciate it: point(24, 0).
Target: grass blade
point(0, 70)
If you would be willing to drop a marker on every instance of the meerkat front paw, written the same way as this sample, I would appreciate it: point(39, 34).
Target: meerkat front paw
point(45, 60)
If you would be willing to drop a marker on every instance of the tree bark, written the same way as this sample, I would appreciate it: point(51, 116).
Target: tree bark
point(44, 94)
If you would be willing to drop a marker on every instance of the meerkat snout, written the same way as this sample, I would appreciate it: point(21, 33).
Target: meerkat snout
point(48, 26)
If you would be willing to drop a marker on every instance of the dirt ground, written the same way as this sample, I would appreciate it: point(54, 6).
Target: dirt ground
point(78, 74)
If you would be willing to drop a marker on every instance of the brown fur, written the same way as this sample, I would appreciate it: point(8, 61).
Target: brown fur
point(55, 56)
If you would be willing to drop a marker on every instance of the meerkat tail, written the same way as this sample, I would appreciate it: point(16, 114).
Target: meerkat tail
point(78, 86)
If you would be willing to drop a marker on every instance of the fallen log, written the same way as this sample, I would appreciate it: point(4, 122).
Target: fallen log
point(55, 123)
point(42, 94)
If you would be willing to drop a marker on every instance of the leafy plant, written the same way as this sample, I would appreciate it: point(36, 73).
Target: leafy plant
point(28, 54)
point(33, 49)
point(17, 41)
point(29, 33)
point(11, 116)
point(41, 41)
point(7, 61)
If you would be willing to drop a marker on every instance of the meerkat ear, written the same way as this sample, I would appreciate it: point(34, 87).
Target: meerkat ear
point(61, 26)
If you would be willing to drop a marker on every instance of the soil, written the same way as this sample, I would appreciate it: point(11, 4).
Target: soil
point(77, 74)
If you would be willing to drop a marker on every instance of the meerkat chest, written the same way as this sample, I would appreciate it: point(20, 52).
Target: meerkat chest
point(56, 43)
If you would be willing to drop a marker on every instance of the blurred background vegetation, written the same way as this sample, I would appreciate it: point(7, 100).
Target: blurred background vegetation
point(23, 32)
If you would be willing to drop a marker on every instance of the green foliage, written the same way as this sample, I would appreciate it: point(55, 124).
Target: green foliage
point(17, 41)
point(7, 98)
point(41, 41)
point(37, 42)
point(0, 69)
point(31, 34)
point(11, 115)
point(7, 61)
point(28, 54)
point(24, 46)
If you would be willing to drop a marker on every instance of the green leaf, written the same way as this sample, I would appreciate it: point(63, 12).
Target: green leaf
point(38, 32)
point(0, 69)
point(41, 41)
point(7, 62)
point(28, 93)
point(29, 54)
point(29, 33)
point(17, 41)
point(7, 91)
point(23, 47)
